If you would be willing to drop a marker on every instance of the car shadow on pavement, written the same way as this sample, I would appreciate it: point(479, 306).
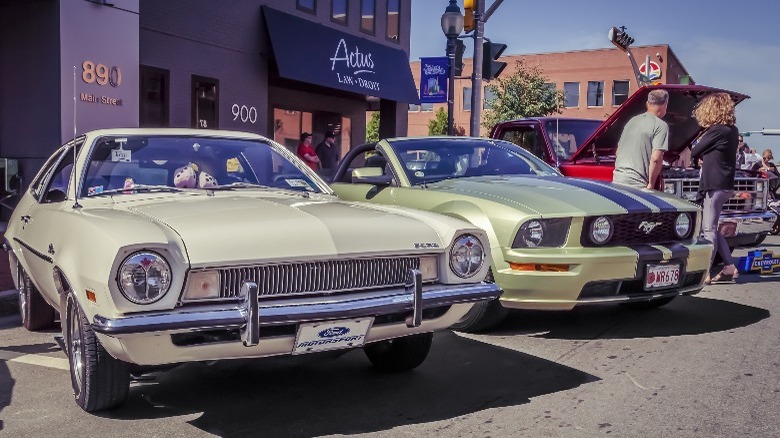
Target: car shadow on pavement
point(687, 315)
point(341, 394)
point(6, 389)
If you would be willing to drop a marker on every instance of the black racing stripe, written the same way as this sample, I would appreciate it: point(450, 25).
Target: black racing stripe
point(32, 250)
point(679, 251)
point(648, 253)
point(651, 198)
point(612, 193)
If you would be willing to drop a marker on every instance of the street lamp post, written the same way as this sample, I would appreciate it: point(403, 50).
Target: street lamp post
point(452, 26)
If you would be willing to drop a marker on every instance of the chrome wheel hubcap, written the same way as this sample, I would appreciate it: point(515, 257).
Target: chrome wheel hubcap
point(76, 356)
point(23, 298)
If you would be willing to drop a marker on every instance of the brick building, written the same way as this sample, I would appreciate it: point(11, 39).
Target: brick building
point(595, 82)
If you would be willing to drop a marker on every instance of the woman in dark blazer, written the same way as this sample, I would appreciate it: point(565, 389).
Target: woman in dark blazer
point(717, 147)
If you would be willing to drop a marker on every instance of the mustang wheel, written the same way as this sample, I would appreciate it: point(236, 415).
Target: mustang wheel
point(484, 315)
point(648, 305)
point(400, 354)
point(99, 381)
point(36, 313)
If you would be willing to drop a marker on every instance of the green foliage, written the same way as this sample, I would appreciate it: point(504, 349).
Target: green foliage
point(438, 124)
point(372, 128)
point(526, 93)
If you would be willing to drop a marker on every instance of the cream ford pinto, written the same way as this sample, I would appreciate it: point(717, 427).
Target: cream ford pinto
point(168, 246)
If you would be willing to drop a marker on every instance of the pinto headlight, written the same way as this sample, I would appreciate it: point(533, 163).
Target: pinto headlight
point(548, 233)
point(682, 225)
point(144, 277)
point(600, 230)
point(466, 256)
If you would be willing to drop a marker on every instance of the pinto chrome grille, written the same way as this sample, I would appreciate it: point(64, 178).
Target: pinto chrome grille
point(318, 277)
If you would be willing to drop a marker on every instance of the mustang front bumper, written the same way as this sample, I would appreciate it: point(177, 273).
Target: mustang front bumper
point(145, 339)
point(597, 275)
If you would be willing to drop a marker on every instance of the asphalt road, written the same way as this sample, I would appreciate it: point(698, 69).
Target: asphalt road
point(702, 366)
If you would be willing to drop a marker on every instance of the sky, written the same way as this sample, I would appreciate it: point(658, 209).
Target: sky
point(731, 45)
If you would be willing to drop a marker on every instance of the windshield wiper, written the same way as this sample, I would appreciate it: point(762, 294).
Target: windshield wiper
point(138, 188)
point(238, 185)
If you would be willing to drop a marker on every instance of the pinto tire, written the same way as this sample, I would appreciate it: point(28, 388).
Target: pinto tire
point(400, 354)
point(35, 312)
point(99, 381)
point(484, 315)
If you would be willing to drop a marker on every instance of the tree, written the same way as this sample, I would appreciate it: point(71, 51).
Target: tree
point(438, 124)
point(525, 93)
point(372, 128)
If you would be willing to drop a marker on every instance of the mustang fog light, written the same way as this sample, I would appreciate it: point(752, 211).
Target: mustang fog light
point(466, 256)
point(202, 286)
point(682, 225)
point(601, 230)
point(429, 268)
point(144, 277)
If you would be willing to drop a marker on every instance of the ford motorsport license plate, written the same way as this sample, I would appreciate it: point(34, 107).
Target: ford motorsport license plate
point(314, 337)
point(660, 276)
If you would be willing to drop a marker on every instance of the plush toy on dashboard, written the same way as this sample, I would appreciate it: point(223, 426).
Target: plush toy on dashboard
point(189, 177)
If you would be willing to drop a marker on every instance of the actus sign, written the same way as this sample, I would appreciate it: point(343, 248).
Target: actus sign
point(356, 63)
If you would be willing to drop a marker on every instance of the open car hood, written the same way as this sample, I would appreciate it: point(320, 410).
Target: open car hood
point(683, 128)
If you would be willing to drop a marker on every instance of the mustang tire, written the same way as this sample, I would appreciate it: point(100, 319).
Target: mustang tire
point(99, 381)
point(400, 354)
point(36, 313)
point(648, 305)
point(484, 315)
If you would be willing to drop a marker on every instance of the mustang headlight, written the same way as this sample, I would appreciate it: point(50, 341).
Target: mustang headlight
point(144, 277)
point(548, 233)
point(466, 256)
point(600, 230)
point(682, 225)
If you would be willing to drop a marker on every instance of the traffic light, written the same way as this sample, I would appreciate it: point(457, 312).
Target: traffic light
point(468, 16)
point(491, 67)
point(620, 38)
point(457, 67)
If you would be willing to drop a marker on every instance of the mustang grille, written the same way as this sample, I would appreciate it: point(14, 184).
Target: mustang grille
point(627, 229)
point(319, 277)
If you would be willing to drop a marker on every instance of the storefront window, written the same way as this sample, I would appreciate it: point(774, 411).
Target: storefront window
point(367, 14)
point(154, 97)
point(571, 93)
point(289, 125)
point(338, 11)
point(595, 93)
point(204, 103)
point(393, 19)
point(427, 107)
point(346, 134)
point(307, 5)
point(619, 92)
point(466, 98)
point(488, 95)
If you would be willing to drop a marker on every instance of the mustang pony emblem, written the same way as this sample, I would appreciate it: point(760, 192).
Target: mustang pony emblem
point(647, 226)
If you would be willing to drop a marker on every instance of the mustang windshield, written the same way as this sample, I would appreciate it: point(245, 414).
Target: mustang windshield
point(431, 159)
point(157, 163)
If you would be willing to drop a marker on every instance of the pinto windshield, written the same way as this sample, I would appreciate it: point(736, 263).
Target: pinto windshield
point(433, 159)
point(182, 162)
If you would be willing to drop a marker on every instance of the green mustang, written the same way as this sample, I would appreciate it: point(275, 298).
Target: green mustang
point(556, 242)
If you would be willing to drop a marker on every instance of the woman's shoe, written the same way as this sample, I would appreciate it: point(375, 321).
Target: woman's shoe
point(723, 277)
point(707, 279)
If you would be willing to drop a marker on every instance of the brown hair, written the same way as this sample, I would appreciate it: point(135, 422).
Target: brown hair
point(715, 109)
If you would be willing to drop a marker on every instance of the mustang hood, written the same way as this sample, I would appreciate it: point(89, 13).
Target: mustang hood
point(559, 196)
point(231, 228)
point(683, 128)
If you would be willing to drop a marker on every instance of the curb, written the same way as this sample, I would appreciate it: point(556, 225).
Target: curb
point(9, 304)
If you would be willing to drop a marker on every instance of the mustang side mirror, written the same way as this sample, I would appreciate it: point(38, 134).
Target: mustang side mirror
point(55, 195)
point(371, 175)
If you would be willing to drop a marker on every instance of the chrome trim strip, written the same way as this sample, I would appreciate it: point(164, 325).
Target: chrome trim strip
point(32, 250)
point(280, 312)
point(250, 334)
point(414, 287)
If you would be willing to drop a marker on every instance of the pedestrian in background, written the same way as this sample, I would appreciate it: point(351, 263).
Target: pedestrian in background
point(328, 153)
point(642, 144)
point(717, 147)
point(306, 152)
point(742, 149)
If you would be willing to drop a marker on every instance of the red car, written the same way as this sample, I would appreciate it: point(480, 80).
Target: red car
point(586, 148)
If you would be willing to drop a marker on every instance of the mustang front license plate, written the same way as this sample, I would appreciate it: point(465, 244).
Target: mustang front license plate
point(659, 276)
point(331, 335)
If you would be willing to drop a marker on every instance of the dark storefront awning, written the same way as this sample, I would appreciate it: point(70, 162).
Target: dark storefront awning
point(311, 52)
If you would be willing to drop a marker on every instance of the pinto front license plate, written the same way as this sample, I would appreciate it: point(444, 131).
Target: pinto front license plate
point(331, 335)
point(659, 276)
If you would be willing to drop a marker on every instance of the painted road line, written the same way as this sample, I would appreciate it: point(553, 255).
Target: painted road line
point(35, 359)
